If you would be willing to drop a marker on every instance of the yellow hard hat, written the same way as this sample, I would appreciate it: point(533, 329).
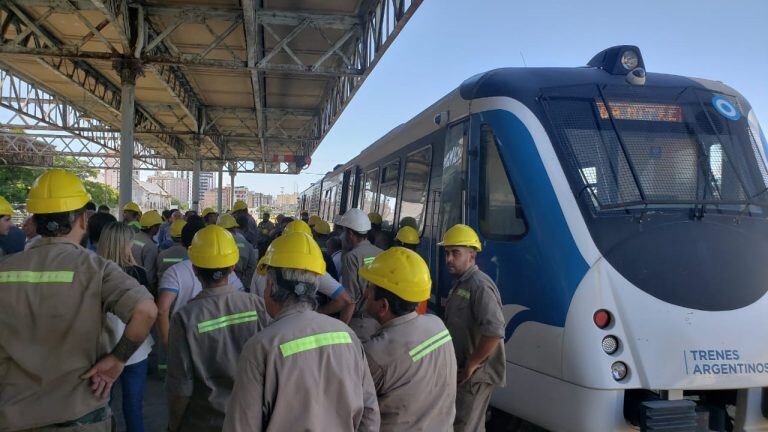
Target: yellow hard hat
point(409, 221)
point(56, 191)
point(313, 220)
point(375, 218)
point(213, 247)
point(295, 250)
point(408, 235)
point(400, 271)
point(5, 207)
point(176, 227)
point(132, 206)
point(261, 267)
point(227, 221)
point(150, 219)
point(239, 205)
point(461, 235)
point(322, 227)
point(207, 211)
point(298, 226)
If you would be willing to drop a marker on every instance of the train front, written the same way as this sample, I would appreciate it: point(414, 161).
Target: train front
point(670, 178)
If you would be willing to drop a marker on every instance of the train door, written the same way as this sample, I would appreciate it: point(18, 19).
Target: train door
point(495, 212)
point(452, 201)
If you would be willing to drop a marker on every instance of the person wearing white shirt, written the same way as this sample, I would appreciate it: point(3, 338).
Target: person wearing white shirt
point(179, 284)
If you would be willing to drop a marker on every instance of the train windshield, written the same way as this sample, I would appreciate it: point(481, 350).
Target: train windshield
point(648, 147)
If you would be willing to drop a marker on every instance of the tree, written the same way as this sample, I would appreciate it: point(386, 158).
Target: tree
point(15, 181)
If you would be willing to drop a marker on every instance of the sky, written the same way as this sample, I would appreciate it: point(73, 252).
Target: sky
point(447, 41)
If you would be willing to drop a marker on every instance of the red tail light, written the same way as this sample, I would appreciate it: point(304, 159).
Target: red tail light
point(602, 318)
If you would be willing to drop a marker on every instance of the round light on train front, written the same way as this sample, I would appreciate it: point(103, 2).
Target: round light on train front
point(602, 318)
point(610, 344)
point(630, 59)
point(619, 370)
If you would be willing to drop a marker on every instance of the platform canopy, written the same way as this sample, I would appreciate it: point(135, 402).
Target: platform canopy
point(249, 85)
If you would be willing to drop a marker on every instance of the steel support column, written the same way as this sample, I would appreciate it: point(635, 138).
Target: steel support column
point(195, 199)
point(128, 72)
point(219, 197)
point(232, 187)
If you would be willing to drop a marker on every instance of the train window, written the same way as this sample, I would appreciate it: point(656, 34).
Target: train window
point(390, 176)
point(501, 216)
point(453, 185)
point(371, 189)
point(415, 185)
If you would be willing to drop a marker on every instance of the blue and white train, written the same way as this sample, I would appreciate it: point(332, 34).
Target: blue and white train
point(623, 217)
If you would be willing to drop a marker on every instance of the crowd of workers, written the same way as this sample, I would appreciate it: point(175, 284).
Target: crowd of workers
point(280, 326)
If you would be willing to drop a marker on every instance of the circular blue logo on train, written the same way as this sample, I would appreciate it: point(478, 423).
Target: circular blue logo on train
point(726, 108)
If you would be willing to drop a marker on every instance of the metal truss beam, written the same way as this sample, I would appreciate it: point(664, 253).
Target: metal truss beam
point(36, 108)
point(80, 73)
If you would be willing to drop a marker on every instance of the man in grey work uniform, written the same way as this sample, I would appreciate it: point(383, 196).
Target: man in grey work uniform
point(56, 375)
point(473, 316)
point(360, 253)
point(305, 371)
point(207, 336)
point(411, 357)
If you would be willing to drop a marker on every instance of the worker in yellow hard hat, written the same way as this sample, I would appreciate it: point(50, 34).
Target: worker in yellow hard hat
point(333, 296)
point(407, 237)
point(246, 266)
point(210, 216)
point(174, 254)
point(313, 220)
point(411, 357)
point(297, 226)
point(251, 230)
point(377, 236)
point(131, 213)
point(55, 368)
point(279, 366)
point(6, 211)
point(145, 250)
point(208, 334)
point(473, 316)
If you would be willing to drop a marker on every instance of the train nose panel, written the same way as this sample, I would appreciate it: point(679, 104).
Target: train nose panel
point(709, 265)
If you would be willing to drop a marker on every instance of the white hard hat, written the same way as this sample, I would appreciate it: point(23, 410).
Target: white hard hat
point(356, 220)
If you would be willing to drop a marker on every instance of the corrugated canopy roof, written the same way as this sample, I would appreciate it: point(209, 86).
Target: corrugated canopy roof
point(252, 83)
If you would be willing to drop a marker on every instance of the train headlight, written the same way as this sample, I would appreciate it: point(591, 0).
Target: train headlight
point(610, 344)
point(629, 59)
point(619, 370)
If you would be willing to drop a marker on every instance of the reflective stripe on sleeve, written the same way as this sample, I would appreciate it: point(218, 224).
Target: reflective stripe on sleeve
point(430, 345)
point(314, 341)
point(36, 277)
point(139, 243)
point(173, 260)
point(226, 321)
point(368, 260)
point(173, 290)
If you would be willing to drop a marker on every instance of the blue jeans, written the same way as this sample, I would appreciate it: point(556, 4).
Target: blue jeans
point(133, 380)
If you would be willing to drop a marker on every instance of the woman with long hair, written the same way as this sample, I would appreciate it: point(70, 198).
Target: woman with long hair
point(115, 244)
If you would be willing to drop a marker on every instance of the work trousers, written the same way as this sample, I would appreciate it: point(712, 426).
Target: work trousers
point(472, 400)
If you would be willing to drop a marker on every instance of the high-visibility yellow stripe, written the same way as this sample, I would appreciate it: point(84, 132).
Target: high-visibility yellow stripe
point(240, 245)
point(314, 341)
point(463, 293)
point(173, 260)
point(139, 243)
point(430, 345)
point(37, 277)
point(368, 260)
point(226, 321)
